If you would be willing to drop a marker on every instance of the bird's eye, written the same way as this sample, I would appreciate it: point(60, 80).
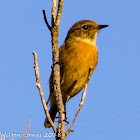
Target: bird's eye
point(85, 27)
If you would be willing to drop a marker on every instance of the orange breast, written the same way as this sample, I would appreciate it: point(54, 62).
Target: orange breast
point(76, 58)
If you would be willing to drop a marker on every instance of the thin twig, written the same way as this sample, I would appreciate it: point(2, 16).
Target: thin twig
point(28, 129)
point(23, 130)
point(2, 138)
point(38, 84)
point(80, 106)
point(54, 5)
point(46, 21)
point(59, 12)
point(81, 102)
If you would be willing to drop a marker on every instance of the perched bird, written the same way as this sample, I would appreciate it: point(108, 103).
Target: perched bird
point(78, 55)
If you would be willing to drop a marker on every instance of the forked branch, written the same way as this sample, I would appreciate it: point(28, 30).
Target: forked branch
point(54, 28)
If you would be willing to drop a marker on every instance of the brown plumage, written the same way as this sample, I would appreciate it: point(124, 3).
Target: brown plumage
point(78, 54)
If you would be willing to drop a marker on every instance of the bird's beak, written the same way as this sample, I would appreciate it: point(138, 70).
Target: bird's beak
point(102, 26)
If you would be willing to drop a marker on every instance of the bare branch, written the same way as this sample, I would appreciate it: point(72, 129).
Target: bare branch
point(56, 67)
point(82, 101)
point(38, 84)
point(56, 72)
point(59, 12)
point(54, 5)
point(46, 21)
point(23, 130)
point(28, 129)
point(80, 106)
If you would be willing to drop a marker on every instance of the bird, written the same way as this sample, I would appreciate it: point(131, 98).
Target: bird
point(77, 56)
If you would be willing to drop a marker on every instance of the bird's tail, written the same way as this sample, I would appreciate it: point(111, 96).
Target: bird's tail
point(53, 112)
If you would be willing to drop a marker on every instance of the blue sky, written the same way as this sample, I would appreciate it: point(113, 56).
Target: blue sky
point(111, 109)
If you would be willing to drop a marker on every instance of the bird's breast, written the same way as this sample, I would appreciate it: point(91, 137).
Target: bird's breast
point(76, 59)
